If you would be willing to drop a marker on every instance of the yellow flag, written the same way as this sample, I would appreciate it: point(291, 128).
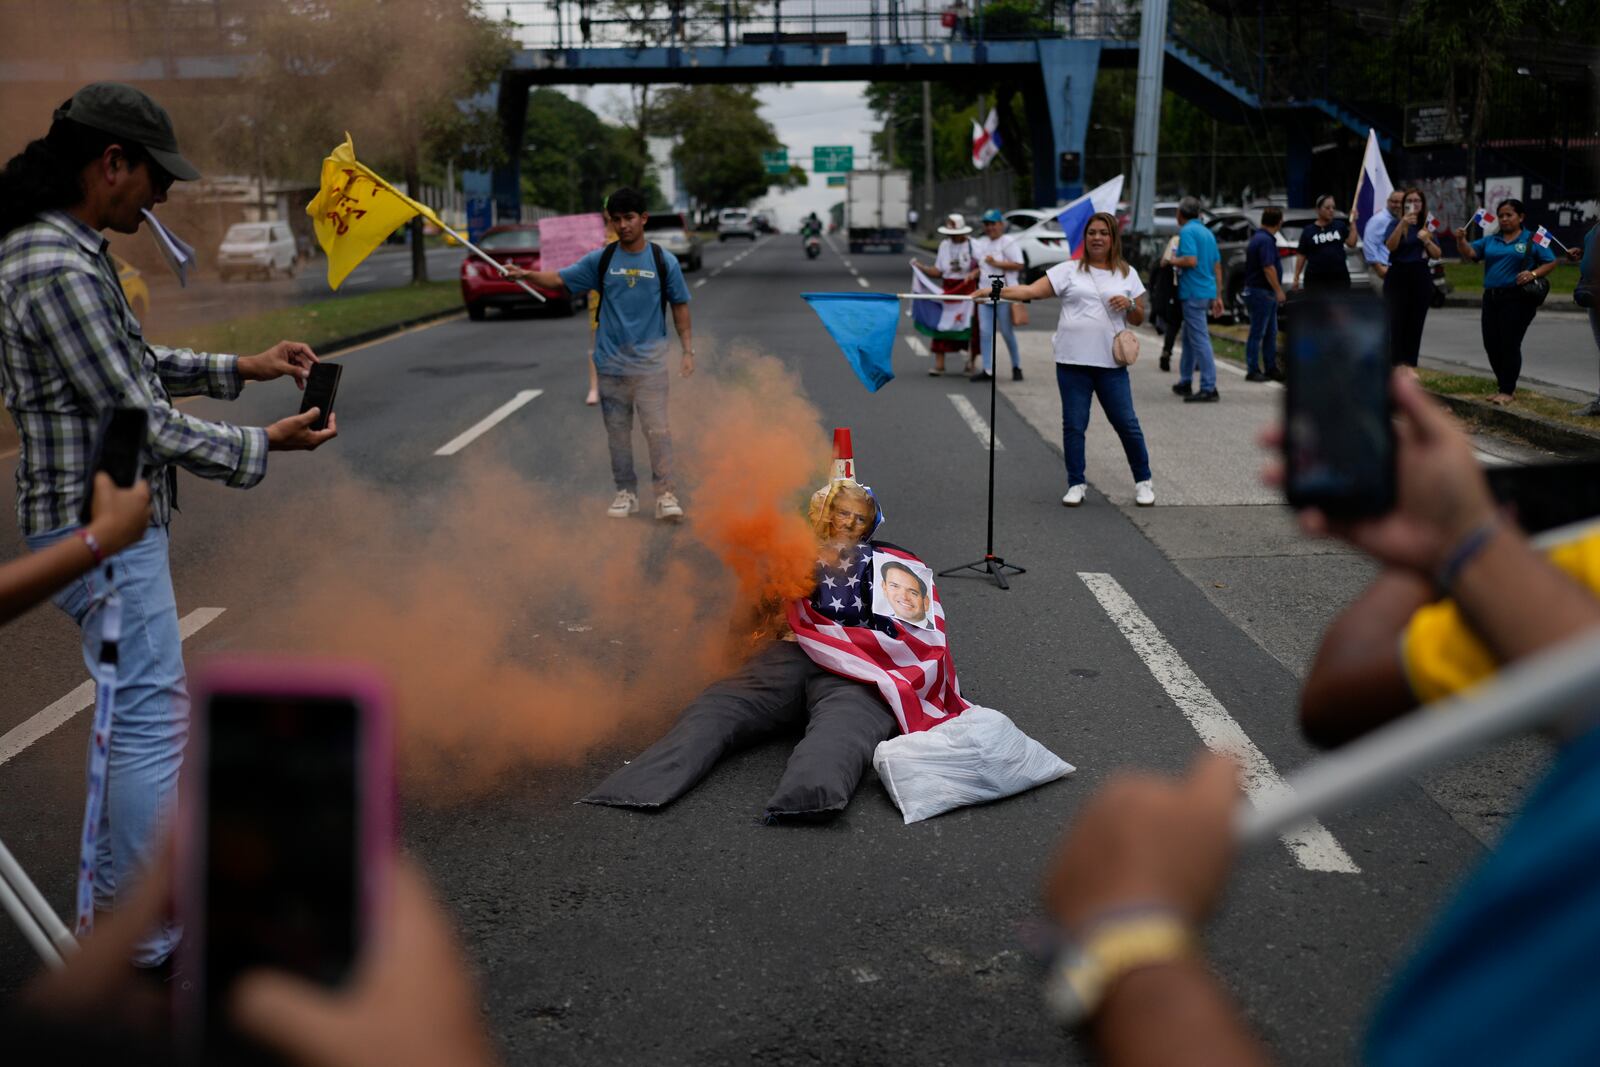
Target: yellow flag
point(355, 210)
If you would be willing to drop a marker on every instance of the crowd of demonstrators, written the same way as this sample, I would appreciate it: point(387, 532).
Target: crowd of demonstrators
point(71, 351)
point(1200, 291)
point(1408, 281)
point(1164, 302)
point(630, 352)
point(1496, 980)
point(996, 252)
point(1263, 294)
point(1101, 296)
point(1375, 234)
point(1588, 257)
point(956, 268)
point(1321, 263)
point(1512, 264)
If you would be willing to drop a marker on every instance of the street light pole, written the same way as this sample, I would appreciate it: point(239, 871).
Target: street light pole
point(927, 155)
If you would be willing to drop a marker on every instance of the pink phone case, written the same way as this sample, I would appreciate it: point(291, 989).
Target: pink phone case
point(284, 678)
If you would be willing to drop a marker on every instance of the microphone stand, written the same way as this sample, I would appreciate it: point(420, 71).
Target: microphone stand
point(990, 565)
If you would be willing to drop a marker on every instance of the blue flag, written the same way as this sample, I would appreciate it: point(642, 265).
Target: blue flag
point(864, 326)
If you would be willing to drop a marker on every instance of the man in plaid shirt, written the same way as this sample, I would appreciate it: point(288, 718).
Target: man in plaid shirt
point(70, 352)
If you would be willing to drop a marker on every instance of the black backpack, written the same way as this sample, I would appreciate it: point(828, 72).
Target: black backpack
point(661, 279)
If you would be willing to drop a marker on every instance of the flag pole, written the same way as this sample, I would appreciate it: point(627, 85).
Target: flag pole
point(487, 258)
point(1555, 688)
point(951, 296)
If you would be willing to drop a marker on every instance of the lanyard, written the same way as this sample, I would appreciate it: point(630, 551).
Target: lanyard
point(94, 805)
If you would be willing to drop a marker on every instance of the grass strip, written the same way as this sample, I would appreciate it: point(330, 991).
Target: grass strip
point(320, 323)
point(1467, 278)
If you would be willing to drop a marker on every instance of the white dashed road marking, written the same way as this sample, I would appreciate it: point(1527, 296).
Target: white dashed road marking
point(1311, 845)
point(488, 422)
point(974, 421)
point(916, 346)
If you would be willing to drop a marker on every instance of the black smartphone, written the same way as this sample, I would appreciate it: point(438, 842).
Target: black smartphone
point(286, 831)
point(120, 453)
point(1339, 439)
point(1547, 496)
point(321, 387)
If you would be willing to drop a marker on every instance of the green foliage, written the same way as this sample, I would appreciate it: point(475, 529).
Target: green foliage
point(571, 158)
point(720, 138)
point(1015, 18)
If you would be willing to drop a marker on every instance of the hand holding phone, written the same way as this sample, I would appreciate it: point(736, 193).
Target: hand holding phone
point(322, 385)
point(119, 516)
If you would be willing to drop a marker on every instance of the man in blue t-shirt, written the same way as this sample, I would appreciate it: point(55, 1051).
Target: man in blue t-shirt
point(1199, 289)
point(641, 282)
point(1263, 292)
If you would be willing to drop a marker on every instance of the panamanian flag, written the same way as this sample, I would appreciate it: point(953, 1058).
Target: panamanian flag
point(1372, 185)
point(1482, 217)
point(1542, 237)
point(986, 139)
point(942, 320)
point(1076, 215)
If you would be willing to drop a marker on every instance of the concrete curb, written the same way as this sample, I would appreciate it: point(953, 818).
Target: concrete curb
point(8, 430)
point(1535, 429)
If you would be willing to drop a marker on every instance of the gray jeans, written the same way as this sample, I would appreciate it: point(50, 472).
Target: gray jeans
point(619, 396)
point(778, 689)
point(1594, 327)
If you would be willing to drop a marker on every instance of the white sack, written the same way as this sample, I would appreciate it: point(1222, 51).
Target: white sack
point(977, 756)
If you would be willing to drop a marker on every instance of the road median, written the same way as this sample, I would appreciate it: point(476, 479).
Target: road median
point(328, 326)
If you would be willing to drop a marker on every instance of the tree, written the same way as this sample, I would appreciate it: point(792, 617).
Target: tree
point(720, 139)
point(394, 73)
point(571, 158)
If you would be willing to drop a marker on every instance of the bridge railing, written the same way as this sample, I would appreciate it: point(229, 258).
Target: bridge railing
point(564, 24)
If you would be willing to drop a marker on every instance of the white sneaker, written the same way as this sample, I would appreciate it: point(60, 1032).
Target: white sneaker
point(626, 503)
point(1075, 495)
point(1143, 493)
point(667, 508)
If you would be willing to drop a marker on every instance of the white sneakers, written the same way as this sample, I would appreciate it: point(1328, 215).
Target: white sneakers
point(626, 503)
point(668, 509)
point(1144, 494)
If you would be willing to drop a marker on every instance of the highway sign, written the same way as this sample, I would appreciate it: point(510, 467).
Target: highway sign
point(838, 179)
point(835, 159)
point(776, 161)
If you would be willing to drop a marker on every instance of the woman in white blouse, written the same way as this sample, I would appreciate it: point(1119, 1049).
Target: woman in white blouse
point(1100, 296)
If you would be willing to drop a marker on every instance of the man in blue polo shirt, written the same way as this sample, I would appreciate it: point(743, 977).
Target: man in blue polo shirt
point(1199, 287)
point(638, 283)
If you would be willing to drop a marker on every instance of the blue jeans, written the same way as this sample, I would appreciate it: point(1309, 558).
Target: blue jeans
point(149, 721)
point(1197, 345)
point(1594, 328)
point(1077, 384)
point(986, 334)
point(1263, 308)
point(620, 394)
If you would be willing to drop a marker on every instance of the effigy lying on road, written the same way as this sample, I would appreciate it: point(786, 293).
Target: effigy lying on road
point(864, 667)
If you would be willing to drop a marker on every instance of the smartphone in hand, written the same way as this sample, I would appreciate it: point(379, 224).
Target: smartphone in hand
point(120, 454)
point(1339, 439)
point(286, 831)
point(322, 385)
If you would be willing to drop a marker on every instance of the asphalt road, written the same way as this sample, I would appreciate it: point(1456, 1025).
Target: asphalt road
point(697, 934)
point(1560, 350)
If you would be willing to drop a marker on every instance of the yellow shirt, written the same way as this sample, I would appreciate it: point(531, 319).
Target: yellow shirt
point(1441, 654)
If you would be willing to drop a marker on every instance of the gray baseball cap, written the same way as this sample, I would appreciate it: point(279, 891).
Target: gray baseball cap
point(123, 111)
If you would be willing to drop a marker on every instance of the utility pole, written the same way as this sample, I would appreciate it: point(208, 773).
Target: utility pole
point(1147, 112)
point(927, 155)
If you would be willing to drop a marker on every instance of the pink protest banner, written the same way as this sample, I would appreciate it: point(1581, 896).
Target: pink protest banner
point(565, 239)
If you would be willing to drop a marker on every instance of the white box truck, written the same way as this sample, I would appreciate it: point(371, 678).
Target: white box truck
point(876, 205)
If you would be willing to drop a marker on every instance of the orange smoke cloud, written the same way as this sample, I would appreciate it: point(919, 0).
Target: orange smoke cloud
point(527, 628)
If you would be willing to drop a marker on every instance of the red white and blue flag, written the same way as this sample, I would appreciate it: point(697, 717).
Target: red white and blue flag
point(912, 669)
point(1076, 215)
point(1433, 223)
point(1482, 217)
point(1542, 237)
point(1372, 184)
point(986, 139)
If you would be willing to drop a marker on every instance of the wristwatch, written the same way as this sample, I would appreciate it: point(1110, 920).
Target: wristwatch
point(1085, 969)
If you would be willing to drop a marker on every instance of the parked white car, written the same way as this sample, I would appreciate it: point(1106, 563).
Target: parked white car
point(258, 249)
point(1039, 237)
point(735, 222)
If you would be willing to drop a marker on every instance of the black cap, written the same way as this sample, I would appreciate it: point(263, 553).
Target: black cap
point(123, 111)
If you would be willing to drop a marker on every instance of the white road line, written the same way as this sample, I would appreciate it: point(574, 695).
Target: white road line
point(1311, 845)
point(864, 283)
point(701, 282)
point(916, 345)
point(18, 738)
point(970, 416)
point(489, 421)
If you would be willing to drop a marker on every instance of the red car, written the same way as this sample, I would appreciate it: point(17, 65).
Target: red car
point(482, 287)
